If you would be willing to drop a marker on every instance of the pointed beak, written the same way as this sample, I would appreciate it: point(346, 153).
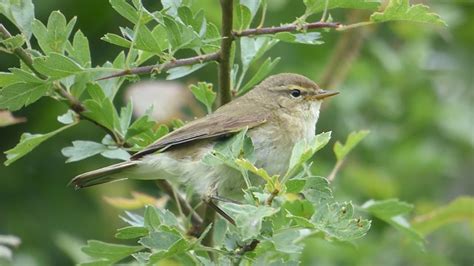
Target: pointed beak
point(323, 94)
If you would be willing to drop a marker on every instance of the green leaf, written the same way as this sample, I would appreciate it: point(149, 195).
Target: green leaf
point(82, 149)
point(17, 95)
point(131, 232)
point(402, 10)
point(101, 109)
point(353, 139)
point(126, 117)
point(125, 10)
point(160, 241)
point(212, 38)
point(117, 40)
point(248, 218)
point(56, 66)
point(53, 38)
point(304, 150)
point(316, 6)
point(7, 79)
point(252, 48)
point(391, 212)
point(459, 210)
point(317, 190)
point(80, 49)
point(181, 36)
point(252, 6)
point(204, 93)
point(243, 17)
point(146, 41)
point(109, 252)
point(28, 142)
point(304, 38)
point(182, 71)
point(13, 42)
point(67, 118)
point(336, 221)
point(263, 70)
point(20, 12)
point(386, 209)
point(295, 185)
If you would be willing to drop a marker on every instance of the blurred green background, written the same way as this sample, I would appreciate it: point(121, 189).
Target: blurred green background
point(410, 84)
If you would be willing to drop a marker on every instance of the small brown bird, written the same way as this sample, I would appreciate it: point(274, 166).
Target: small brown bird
point(278, 112)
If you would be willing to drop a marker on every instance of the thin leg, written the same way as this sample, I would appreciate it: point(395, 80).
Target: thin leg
point(211, 204)
point(219, 198)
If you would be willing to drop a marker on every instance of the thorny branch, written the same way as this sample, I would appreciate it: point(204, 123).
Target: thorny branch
point(217, 55)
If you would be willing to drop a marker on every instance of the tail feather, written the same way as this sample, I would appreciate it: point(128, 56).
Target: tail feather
point(102, 175)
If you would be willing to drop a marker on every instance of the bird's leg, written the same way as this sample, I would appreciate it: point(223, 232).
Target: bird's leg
point(219, 198)
point(209, 200)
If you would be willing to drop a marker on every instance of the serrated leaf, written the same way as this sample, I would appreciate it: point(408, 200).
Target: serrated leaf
point(317, 190)
point(53, 37)
point(204, 93)
point(263, 70)
point(252, 5)
point(353, 139)
point(109, 252)
point(80, 49)
point(243, 17)
point(391, 212)
point(336, 221)
point(146, 41)
point(131, 232)
point(304, 150)
point(82, 149)
point(182, 71)
point(160, 241)
point(117, 40)
point(13, 42)
point(101, 109)
point(7, 78)
point(459, 210)
point(56, 66)
point(125, 10)
point(17, 95)
point(316, 6)
point(402, 10)
point(385, 209)
point(248, 218)
point(67, 118)
point(304, 38)
point(20, 12)
point(28, 142)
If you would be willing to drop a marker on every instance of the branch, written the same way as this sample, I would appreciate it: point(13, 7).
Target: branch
point(165, 66)
point(286, 28)
point(225, 53)
point(21, 53)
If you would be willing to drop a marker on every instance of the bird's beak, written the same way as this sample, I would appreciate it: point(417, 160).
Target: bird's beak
point(323, 94)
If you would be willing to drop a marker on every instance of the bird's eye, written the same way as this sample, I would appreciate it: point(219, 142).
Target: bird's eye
point(295, 93)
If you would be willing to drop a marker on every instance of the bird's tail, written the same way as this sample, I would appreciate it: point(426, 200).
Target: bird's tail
point(102, 175)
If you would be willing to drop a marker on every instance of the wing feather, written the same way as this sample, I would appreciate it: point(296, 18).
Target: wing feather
point(214, 125)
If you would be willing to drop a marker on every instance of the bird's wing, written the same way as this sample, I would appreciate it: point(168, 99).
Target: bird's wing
point(215, 125)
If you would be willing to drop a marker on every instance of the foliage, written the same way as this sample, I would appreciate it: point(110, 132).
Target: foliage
point(283, 215)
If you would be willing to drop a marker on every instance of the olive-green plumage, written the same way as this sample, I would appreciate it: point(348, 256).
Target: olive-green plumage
point(280, 111)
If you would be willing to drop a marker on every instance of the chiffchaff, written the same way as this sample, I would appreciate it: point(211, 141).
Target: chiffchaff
point(278, 112)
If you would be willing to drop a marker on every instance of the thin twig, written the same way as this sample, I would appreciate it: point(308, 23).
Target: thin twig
point(335, 170)
point(165, 66)
point(225, 86)
point(286, 28)
point(217, 56)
